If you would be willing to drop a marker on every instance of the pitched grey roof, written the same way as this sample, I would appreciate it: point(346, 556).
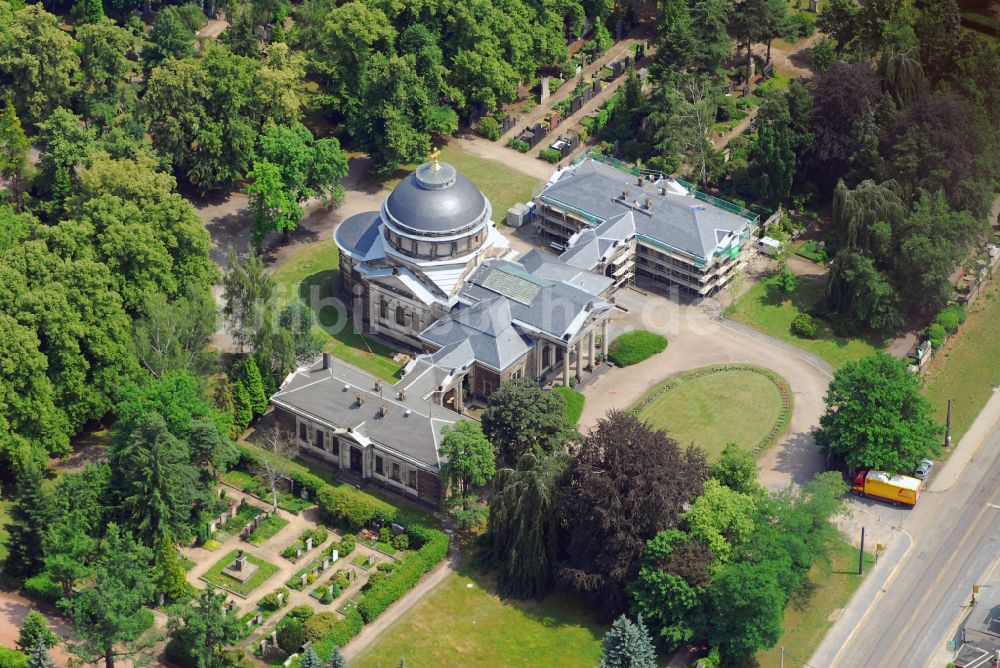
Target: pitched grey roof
point(320, 394)
point(544, 265)
point(591, 246)
point(436, 202)
point(483, 332)
point(678, 220)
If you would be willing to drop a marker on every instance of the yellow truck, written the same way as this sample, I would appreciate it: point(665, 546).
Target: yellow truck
point(896, 489)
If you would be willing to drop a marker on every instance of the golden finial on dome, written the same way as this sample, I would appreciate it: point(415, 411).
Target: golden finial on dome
point(435, 154)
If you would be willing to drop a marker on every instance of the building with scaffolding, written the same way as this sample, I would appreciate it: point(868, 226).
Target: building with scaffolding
point(628, 224)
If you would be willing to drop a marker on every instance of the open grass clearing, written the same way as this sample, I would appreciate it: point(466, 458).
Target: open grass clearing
point(811, 613)
point(462, 622)
point(574, 403)
point(312, 274)
point(215, 576)
point(967, 368)
point(710, 408)
point(767, 308)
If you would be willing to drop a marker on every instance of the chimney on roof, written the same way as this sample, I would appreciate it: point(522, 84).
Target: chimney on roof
point(360, 399)
point(648, 204)
point(326, 360)
point(378, 386)
point(383, 410)
point(638, 180)
point(402, 394)
point(624, 193)
point(663, 190)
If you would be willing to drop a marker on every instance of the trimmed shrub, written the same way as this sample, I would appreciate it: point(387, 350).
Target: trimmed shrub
point(399, 581)
point(11, 658)
point(271, 602)
point(401, 542)
point(550, 155)
point(338, 634)
point(804, 326)
point(308, 481)
point(290, 635)
point(41, 588)
point(302, 613)
point(489, 128)
point(518, 145)
point(320, 626)
point(635, 346)
point(343, 508)
point(951, 317)
point(935, 334)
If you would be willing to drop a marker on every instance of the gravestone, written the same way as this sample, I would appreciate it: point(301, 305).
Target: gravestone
point(249, 623)
point(159, 599)
point(371, 559)
point(298, 552)
point(335, 555)
point(309, 543)
point(354, 574)
point(326, 563)
point(329, 588)
point(211, 528)
point(813, 6)
point(543, 90)
point(232, 511)
point(241, 561)
point(281, 598)
point(263, 646)
point(240, 570)
point(304, 578)
point(579, 70)
point(222, 519)
point(396, 529)
point(303, 493)
point(259, 618)
point(274, 637)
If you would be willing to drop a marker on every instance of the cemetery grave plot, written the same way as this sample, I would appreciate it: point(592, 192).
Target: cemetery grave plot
point(320, 565)
point(387, 541)
point(267, 607)
point(239, 573)
point(331, 590)
point(365, 561)
point(266, 529)
point(255, 485)
point(307, 541)
point(230, 519)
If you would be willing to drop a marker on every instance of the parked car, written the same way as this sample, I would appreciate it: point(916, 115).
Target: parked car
point(923, 468)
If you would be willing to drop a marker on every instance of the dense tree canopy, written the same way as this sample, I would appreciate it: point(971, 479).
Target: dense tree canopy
point(876, 416)
point(627, 483)
point(521, 418)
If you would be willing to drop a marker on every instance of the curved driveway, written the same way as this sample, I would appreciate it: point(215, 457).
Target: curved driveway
point(699, 337)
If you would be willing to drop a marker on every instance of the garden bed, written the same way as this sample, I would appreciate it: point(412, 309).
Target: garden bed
point(296, 581)
point(341, 582)
point(810, 251)
point(296, 550)
point(216, 577)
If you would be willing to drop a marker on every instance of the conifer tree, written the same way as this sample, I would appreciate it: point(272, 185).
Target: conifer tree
point(243, 413)
point(310, 660)
point(336, 659)
point(39, 657)
point(255, 386)
point(35, 630)
point(29, 520)
point(169, 574)
point(627, 645)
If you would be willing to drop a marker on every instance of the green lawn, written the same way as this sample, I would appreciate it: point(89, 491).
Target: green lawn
point(215, 576)
point(455, 625)
point(713, 409)
point(267, 529)
point(312, 274)
point(968, 366)
point(767, 308)
point(807, 618)
point(574, 403)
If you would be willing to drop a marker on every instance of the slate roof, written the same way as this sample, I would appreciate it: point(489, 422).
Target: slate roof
point(321, 395)
point(675, 218)
point(484, 332)
point(358, 233)
point(436, 205)
point(591, 246)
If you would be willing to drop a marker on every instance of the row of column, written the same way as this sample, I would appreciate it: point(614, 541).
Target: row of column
point(592, 357)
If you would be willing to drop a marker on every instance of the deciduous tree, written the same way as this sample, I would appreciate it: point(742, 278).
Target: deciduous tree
point(876, 416)
point(521, 418)
point(471, 460)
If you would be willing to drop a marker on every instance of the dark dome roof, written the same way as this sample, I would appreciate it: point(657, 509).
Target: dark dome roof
point(436, 199)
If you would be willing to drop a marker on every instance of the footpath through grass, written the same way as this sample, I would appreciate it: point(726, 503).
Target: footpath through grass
point(459, 625)
point(968, 366)
point(767, 308)
point(311, 274)
point(828, 588)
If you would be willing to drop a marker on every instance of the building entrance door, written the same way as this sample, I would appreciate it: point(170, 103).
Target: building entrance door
point(356, 461)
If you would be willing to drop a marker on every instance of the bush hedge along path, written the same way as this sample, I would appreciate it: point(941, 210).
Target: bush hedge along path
point(714, 405)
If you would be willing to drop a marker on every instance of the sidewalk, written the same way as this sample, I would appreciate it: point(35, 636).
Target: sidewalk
point(967, 449)
point(876, 582)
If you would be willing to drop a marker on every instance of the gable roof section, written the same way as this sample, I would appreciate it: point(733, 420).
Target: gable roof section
point(676, 218)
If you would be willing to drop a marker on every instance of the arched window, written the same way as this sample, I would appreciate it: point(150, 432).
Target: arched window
point(400, 316)
point(383, 308)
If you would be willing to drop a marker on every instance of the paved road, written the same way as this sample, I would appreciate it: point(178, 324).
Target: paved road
point(955, 539)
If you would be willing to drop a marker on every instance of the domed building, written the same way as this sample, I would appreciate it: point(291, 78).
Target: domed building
point(403, 266)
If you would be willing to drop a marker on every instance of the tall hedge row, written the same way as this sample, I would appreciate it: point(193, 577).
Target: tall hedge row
point(341, 507)
point(398, 582)
point(339, 634)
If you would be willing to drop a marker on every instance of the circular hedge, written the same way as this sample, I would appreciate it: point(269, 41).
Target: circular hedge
point(727, 405)
point(635, 346)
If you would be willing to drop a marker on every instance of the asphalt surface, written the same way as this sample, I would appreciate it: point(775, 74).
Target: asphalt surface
point(955, 540)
